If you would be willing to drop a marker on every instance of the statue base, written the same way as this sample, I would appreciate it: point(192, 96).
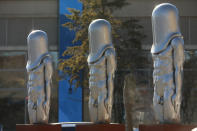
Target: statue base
point(167, 127)
point(38, 127)
point(70, 126)
point(88, 126)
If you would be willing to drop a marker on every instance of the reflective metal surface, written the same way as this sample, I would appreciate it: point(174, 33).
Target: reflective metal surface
point(195, 129)
point(37, 42)
point(168, 64)
point(40, 70)
point(99, 38)
point(102, 65)
point(165, 26)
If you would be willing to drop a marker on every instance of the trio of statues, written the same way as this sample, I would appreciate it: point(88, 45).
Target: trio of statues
point(168, 56)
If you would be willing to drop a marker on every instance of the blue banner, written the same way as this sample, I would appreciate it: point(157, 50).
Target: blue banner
point(70, 98)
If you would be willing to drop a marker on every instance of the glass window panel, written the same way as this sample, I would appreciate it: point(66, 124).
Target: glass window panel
point(11, 79)
point(12, 60)
point(138, 98)
point(12, 98)
point(145, 60)
point(2, 32)
point(12, 109)
point(142, 108)
point(193, 30)
point(190, 60)
point(49, 25)
point(189, 107)
point(139, 60)
point(184, 28)
point(147, 30)
point(18, 30)
point(143, 78)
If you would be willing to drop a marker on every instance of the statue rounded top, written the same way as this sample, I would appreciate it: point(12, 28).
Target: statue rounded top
point(37, 42)
point(165, 26)
point(99, 38)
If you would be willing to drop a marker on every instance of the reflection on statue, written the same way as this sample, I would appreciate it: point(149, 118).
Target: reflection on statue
point(39, 69)
point(102, 64)
point(168, 56)
point(195, 129)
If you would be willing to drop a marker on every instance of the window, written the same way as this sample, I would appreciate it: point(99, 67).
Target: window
point(12, 88)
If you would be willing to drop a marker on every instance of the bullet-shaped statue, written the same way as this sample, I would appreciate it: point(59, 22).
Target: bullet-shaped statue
point(168, 58)
point(39, 69)
point(102, 66)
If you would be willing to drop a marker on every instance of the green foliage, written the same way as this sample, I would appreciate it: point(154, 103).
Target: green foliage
point(126, 37)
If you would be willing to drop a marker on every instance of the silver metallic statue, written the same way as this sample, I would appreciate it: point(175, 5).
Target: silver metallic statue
point(168, 56)
point(39, 69)
point(102, 64)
